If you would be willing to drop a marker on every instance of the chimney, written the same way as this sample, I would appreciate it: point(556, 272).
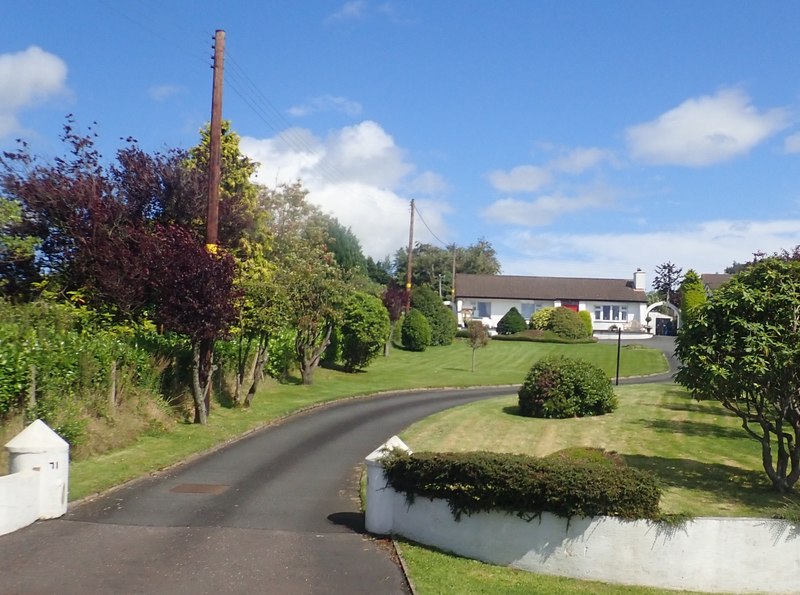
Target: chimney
point(639, 280)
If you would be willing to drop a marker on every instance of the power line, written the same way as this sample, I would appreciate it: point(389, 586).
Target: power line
point(421, 218)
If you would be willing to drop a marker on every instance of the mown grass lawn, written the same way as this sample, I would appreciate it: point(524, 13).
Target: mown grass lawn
point(705, 461)
point(498, 363)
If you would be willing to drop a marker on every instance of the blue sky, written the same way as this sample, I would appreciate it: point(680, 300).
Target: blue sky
point(581, 139)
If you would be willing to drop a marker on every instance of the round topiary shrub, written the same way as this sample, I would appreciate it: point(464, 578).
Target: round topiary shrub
point(567, 323)
point(511, 323)
point(541, 318)
point(415, 333)
point(560, 387)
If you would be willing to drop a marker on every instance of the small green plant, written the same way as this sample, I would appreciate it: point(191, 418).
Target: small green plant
point(561, 387)
point(415, 332)
point(512, 322)
point(587, 322)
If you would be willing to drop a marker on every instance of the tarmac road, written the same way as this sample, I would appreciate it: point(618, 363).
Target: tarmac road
point(276, 512)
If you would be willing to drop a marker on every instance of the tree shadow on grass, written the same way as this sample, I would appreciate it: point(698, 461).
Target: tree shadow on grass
point(512, 410)
point(729, 483)
point(691, 428)
point(706, 407)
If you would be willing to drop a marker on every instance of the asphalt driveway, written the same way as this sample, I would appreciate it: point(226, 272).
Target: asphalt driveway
point(276, 512)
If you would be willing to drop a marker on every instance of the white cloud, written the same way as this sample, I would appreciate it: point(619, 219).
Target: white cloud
point(580, 159)
point(162, 92)
point(704, 130)
point(706, 247)
point(429, 183)
point(349, 10)
point(355, 174)
point(523, 178)
point(792, 143)
point(327, 103)
point(532, 178)
point(545, 209)
point(27, 78)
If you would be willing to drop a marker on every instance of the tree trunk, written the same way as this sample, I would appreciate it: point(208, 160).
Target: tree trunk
point(112, 391)
point(201, 379)
point(258, 368)
point(473, 359)
point(242, 375)
point(310, 354)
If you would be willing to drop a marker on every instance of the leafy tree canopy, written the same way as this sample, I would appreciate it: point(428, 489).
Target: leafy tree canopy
point(742, 348)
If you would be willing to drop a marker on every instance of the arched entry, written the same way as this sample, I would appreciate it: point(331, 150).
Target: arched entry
point(674, 309)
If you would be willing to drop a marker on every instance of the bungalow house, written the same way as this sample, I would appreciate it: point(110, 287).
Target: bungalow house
point(713, 281)
point(611, 302)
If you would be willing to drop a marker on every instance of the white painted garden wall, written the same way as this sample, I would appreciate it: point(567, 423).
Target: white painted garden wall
point(37, 484)
point(735, 555)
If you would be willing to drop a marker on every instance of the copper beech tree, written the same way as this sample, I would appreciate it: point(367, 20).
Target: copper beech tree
point(125, 236)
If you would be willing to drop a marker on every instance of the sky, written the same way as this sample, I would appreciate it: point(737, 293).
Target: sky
point(582, 139)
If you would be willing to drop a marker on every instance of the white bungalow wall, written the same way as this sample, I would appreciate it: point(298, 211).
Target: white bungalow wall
point(499, 308)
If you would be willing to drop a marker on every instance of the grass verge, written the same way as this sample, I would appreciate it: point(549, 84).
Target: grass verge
point(434, 572)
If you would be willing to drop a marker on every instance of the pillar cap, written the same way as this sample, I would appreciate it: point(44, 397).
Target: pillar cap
point(37, 437)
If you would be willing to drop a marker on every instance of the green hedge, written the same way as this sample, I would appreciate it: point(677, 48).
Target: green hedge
point(568, 485)
point(539, 336)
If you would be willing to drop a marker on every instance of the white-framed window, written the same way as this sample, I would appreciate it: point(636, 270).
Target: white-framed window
point(527, 309)
point(608, 312)
point(483, 309)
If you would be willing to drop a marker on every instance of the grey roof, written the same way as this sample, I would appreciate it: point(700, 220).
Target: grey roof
point(714, 281)
point(547, 288)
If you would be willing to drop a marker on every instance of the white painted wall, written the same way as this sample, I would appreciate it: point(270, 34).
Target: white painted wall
point(19, 500)
point(734, 555)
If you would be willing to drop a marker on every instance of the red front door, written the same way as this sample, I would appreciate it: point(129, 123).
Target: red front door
point(571, 304)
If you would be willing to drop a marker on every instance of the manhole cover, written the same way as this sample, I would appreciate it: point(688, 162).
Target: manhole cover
point(200, 488)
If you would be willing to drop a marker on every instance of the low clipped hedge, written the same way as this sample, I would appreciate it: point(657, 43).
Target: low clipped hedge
point(540, 336)
point(572, 483)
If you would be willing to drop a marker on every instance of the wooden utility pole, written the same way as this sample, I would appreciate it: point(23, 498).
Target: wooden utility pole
point(410, 254)
point(453, 288)
point(215, 144)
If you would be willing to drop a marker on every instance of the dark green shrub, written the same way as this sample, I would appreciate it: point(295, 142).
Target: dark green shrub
point(415, 332)
point(566, 323)
point(440, 318)
point(586, 318)
point(512, 322)
point(364, 330)
point(559, 387)
point(566, 484)
point(446, 326)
